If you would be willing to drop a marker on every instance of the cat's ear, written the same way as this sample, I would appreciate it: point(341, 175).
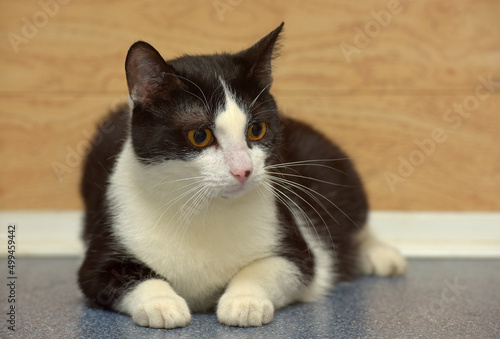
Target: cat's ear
point(149, 76)
point(258, 58)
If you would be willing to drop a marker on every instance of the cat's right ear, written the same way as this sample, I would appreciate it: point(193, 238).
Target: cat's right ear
point(149, 76)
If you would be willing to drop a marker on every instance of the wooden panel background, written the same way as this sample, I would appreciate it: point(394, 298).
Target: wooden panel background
point(398, 84)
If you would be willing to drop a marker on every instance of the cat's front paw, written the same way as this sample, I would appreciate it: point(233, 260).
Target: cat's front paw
point(245, 310)
point(162, 312)
point(382, 260)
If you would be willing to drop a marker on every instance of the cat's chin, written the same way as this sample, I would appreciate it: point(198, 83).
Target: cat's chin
point(233, 194)
point(236, 192)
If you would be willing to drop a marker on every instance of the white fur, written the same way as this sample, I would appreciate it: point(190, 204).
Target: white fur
point(324, 276)
point(231, 124)
point(258, 289)
point(230, 132)
point(153, 303)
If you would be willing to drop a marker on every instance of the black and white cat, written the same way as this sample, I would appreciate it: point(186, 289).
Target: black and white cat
point(201, 197)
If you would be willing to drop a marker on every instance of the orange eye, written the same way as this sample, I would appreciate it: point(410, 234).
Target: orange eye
point(257, 131)
point(200, 137)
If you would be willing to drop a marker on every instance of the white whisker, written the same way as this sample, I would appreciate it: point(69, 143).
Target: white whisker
point(310, 192)
point(262, 103)
point(281, 197)
point(311, 162)
point(166, 182)
point(171, 203)
point(257, 97)
point(314, 179)
point(220, 85)
point(202, 93)
point(311, 206)
point(183, 213)
point(195, 209)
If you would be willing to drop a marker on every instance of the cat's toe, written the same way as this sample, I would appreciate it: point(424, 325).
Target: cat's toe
point(162, 312)
point(245, 311)
point(382, 260)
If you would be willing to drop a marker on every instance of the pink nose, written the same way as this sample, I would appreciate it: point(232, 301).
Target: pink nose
point(242, 175)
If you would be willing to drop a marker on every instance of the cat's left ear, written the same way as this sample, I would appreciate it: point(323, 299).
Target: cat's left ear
point(257, 59)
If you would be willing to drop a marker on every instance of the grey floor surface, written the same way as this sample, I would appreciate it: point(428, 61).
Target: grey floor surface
point(436, 299)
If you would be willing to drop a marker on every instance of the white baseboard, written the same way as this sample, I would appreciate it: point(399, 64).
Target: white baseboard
point(440, 234)
point(43, 233)
point(416, 234)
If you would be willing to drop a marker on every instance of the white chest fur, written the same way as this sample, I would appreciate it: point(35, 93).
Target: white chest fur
point(195, 243)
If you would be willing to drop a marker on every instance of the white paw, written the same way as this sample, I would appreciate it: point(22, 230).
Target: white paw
point(162, 312)
point(245, 311)
point(382, 260)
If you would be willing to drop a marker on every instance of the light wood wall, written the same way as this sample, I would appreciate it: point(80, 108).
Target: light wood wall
point(379, 88)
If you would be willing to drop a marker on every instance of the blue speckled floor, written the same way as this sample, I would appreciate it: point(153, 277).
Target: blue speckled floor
point(436, 299)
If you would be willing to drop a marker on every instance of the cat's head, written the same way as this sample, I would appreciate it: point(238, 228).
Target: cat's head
point(210, 116)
